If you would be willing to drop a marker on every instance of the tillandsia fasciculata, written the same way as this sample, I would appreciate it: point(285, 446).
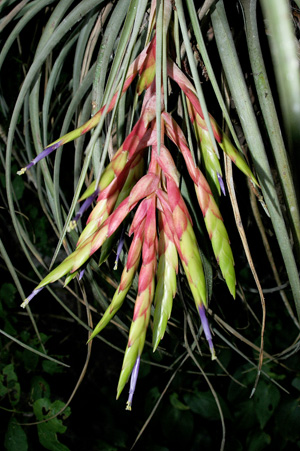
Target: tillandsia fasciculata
point(162, 227)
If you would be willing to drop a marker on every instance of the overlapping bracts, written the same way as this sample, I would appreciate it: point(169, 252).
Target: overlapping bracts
point(161, 227)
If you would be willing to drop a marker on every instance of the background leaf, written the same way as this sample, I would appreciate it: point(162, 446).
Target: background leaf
point(266, 399)
point(47, 431)
point(15, 437)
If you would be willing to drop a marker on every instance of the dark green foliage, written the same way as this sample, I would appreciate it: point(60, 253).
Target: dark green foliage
point(48, 430)
point(15, 437)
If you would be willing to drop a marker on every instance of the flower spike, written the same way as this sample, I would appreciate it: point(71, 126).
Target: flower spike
point(126, 191)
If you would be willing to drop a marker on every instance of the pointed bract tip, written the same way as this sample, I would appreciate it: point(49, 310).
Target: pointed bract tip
point(89, 340)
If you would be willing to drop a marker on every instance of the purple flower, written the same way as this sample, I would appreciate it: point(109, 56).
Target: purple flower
point(40, 156)
point(34, 293)
point(221, 183)
point(81, 273)
point(206, 330)
point(86, 204)
point(133, 381)
point(120, 247)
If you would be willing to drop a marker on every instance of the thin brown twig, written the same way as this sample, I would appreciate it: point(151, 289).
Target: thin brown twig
point(241, 230)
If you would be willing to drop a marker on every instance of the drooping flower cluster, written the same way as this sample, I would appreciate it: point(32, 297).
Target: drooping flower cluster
point(162, 227)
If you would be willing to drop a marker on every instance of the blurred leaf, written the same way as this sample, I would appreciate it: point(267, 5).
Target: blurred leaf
point(177, 426)
point(11, 382)
point(156, 448)
point(18, 187)
point(3, 388)
point(145, 368)
point(245, 415)
point(232, 443)
point(7, 294)
point(25, 336)
point(39, 388)
point(151, 398)
point(204, 404)
point(23, 345)
point(51, 367)
point(258, 441)
point(288, 420)
point(47, 432)
point(2, 311)
point(8, 327)
point(266, 399)
point(30, 360)
point(177, 403)
point(15, 437)
point(101, 444)
point(296, 383)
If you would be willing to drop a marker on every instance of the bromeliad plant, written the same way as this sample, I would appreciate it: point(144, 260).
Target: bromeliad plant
point(161, 226)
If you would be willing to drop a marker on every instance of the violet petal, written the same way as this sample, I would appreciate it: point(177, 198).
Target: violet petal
point(28, 299)
point(120, 247)
point(86, 204)
point(40, 156)
point(206, 330)
point(81, 273)
point(221, 183)
point(133, 381)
